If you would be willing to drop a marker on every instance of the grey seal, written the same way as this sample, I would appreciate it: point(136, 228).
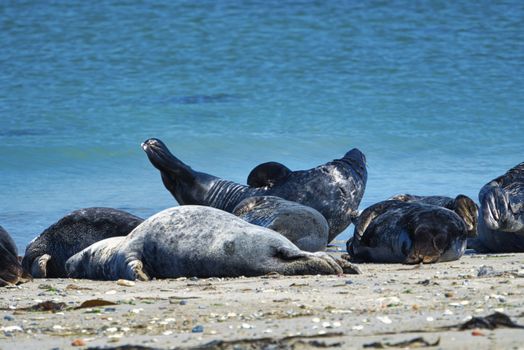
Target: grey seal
point(501, 218)
point(335, 189)
point(46, 255)
point(304, 226)
point(395, 231)
point(11, 272)
point(464, 206)
point(196, 241)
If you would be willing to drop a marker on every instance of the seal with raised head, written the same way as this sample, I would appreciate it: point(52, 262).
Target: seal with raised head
point(196, 241)
point(11, 272)
point(302, 225)
point(45, 256)
point(464, 206)
point(501, 219)
point(394, 231)
point(335, 189)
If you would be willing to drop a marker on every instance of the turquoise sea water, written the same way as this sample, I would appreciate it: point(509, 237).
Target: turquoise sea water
point(432, 92)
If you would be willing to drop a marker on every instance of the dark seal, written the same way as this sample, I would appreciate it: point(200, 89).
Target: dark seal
point(11, 272)
point(302, 225)
point(196, 241)
point(501, 219)
point(46, 255)
point(464, 206)
point(334, 189)
point(394, 231)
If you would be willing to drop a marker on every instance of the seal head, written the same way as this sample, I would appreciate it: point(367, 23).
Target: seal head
point(11, 272)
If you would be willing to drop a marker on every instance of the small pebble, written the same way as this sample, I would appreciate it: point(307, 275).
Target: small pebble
point(384, 319)
point(78, 342)
point(198, 329)
point(125, 283)
point(11, 329)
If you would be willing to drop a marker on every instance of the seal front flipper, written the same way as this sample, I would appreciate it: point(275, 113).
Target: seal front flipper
point(267, 174)
point(135, 271)
point(468, 211)
point(39, 266)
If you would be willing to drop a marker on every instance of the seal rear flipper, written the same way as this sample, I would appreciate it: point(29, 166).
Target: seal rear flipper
point(135, 271)
point(297, 262)
point(267, 174)
point(468, 211)
point(39, 266)
point(162, 159)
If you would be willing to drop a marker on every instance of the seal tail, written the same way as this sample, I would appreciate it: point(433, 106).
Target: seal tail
point(162, 159)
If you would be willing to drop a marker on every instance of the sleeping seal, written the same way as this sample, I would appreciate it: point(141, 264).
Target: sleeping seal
point(394, 231)
point(196, 241)
point(11, 272)
point(501, 219)
point(304, 226)
point(464, 206)
point(334, 189)
point(46, 255)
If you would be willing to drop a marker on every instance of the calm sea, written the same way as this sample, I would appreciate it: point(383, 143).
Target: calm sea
point(432, 92)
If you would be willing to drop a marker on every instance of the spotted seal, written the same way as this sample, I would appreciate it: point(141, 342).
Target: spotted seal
point(304, 226)
point(196, 241)
point(501, 219)
point(335, 189)
point(395, 231)
point(46, 255)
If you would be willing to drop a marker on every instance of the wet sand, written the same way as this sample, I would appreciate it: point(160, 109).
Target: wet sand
point(386, 304)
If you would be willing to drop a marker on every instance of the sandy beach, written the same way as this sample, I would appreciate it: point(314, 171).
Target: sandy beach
point(387, 305)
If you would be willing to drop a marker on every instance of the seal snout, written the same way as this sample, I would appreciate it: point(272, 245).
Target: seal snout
point(151, 143)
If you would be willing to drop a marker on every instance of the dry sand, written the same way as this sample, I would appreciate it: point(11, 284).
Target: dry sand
point(386, 304)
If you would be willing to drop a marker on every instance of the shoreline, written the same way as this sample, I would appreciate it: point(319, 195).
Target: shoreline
point(386, 303)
